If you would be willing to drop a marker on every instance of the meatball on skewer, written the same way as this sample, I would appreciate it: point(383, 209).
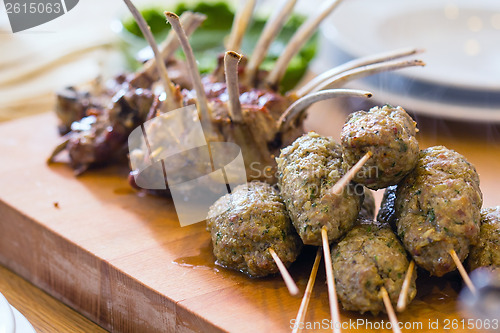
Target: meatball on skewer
point(247, 226)
point(307, 170)
point(437, 209)
point(486, 253)
point(379, 148)
point(367, 212)
point(368, 263)
point(388, 133)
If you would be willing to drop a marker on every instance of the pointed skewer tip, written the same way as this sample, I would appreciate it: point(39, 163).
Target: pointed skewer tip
point(289, 282)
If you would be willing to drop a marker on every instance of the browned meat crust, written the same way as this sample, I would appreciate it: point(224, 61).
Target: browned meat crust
point(368, 258)
point(387, 132)
point(438, 209)
point(307, 170)
point(246, 223)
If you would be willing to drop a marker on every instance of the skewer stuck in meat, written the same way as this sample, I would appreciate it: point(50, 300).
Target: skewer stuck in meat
point(368, 258)
point(438, 209)
point(246, 223)
point(307, 169)
point(389, 134)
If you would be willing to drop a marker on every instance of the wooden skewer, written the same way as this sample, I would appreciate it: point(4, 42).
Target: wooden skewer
point(463, 272)
point(332, 292)
point(403, 296)
point(390, 310)
point(202, 102)
point(231, 61)
point(304, 32)
point(240, 25)
point(356, 63)
point(346, 179)
point(172, 103)
point(290, 284)
point(269, 33)
point(301, 315)
point(296, 109)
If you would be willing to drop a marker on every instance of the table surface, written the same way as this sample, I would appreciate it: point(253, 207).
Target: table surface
point(45, 313)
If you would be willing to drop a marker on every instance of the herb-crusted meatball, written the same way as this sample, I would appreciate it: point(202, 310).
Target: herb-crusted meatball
point(387, 213)
point(307, 170)
point(368, 258)
point(246, 223)
point(438, 209)
point(387, 132)
point(486, 253)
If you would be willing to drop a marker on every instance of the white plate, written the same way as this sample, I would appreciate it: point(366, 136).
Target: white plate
point(22, 324)
point(7, 323)
point(430, 107)
point(417, 97)
point(11, 320)
point(461, 37)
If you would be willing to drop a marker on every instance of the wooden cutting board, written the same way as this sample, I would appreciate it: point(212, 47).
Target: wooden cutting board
point(121, 258)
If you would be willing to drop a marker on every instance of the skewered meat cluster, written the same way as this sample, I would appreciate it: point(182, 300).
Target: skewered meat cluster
point(237, 103)
point(246, 223)
point(307, 170)
point(389, 134)
point(435, 204)
point(438, 209)
point(486, 253)
point(369, 257)
point(97, 139)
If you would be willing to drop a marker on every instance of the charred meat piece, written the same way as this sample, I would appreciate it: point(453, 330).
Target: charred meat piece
point(261, 110)
point(389, 134)
point(246, 223)
point(368, 258)
point(307, 170)
point(387, 213)
point(96, 140)
point(438, 209)
point(486, 253)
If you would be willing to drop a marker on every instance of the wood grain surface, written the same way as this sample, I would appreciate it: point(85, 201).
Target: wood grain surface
point(46, 314)
point(121, 259)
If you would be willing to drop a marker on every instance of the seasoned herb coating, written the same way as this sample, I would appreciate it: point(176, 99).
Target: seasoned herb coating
point(438, 209)
point(307, 170)
point(368, 207)
point(368, 258)
point(246, 223)
point(486, 253)
point(387, 213)
point(387, 132)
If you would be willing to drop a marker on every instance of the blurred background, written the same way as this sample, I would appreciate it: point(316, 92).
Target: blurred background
point(455, 98)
